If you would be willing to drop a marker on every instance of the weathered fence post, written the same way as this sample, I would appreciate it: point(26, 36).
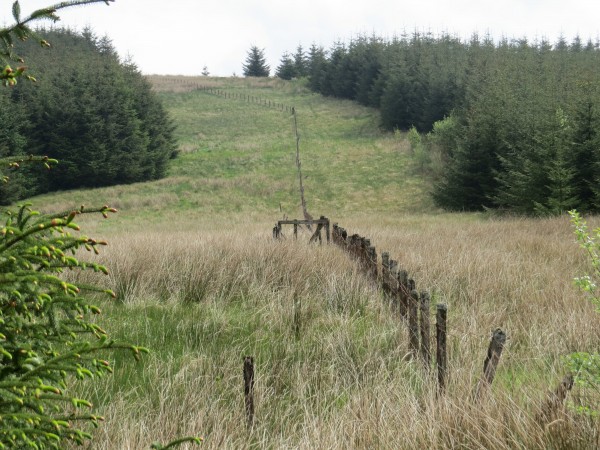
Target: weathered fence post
point(413, 322)
point(372, 258)
point(364, 253)
point(491, 361)
point(441, 356)
point(328, 231)
point(249, 389)
point(295, 230)
point(385, 264)
point(393, 284)
point(403, 291)
point(425, 329)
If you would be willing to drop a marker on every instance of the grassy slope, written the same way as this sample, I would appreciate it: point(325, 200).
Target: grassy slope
point(344, 381)
point(240, 157)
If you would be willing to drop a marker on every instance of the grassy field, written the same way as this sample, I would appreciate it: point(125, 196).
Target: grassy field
point(202, 284)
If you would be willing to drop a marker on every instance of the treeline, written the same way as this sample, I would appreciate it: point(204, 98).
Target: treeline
point(93, 112)
point(510, 124)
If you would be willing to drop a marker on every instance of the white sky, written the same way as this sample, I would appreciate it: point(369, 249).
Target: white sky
point(181, 36)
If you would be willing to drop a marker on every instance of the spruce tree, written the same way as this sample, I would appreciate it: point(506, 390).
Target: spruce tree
point(47, 337)
point(256, 63)
point(286, 69)
point(102, 121)
point(317, 63)
point(300, 63)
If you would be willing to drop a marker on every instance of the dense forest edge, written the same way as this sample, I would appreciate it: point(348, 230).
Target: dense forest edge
point(510, 125)
point(90, 110)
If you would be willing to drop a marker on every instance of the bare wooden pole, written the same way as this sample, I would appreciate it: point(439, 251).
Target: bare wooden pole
point(307, 216)
point(441, 358)
point(413, 323)
point(385, 264)
point(372, 257)
point(491, 361)
point(403, 292)
point(249, 389)
point(425, 329)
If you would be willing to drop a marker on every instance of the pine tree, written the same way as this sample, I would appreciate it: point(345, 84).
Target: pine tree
point(286, 69)
point(300, 63)
point(256, 64)
point(584, 156)
point(102, 121)
point(48, 339)
point(317, 63)
point(205, 71)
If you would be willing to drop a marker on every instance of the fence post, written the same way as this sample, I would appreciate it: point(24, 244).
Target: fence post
point(372, 254)
point(413, 322)
point(328, 231)
point(403, 292)
point(295, 230)
point(249, 389)
point(491, 361)
point(441, 356)
point(385, 264)
point(393, 286)
point(425, 329)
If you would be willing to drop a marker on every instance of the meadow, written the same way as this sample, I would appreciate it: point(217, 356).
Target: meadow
point(201, 283)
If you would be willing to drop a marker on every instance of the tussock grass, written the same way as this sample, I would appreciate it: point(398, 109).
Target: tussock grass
point(202, 284)
point(204, 299)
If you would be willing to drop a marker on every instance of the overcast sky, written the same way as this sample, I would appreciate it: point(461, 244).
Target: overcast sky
point(182, 36)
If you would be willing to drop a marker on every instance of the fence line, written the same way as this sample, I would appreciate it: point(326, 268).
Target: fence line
point(414, 308)
point(234, 96)
point(399, 291)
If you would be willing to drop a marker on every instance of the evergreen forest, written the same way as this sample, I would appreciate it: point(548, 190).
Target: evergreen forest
point(89, 110)
point(510, 125)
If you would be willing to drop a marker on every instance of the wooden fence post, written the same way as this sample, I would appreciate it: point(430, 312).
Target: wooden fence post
point(364, 253)
point(441, 356)
point(425, 329)
point(385, 265)
point(491, 361)
point(328, 231)
point(403, 292)
point(295, 230)
point(249, 389)
point(393, 284)
point(372, 257)
point(413, 323)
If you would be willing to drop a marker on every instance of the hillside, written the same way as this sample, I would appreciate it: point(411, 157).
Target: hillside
point(239, 157)
point(201, 282)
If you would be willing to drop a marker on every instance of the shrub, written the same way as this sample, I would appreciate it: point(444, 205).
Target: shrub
point(586, 366)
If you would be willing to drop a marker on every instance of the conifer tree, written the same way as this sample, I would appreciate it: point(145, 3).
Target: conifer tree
point(47, 338)
point(300, 63)
point(286, 69)
point(256, 63)
point(102, 122)
point(317, 63)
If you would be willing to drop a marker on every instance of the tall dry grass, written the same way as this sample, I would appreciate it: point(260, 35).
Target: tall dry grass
point(204, 299)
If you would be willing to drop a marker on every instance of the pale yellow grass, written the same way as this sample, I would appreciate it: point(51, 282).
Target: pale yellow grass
point(209, 293)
